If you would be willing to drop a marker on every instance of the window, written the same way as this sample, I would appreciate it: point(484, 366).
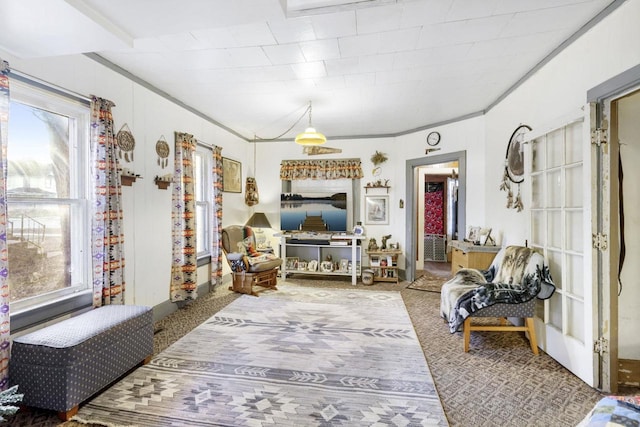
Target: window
point(203, 200)
point(47, 226)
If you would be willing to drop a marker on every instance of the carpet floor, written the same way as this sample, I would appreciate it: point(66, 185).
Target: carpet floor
point(498, 383)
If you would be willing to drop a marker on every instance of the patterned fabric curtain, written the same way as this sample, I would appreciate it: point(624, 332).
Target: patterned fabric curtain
point(320, 169)
point(216, 218)
point(184, 264)
point(107, 228)
point(4, 268)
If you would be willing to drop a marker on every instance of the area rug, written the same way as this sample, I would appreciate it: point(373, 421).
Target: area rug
point(297, 356)
point(428, 282)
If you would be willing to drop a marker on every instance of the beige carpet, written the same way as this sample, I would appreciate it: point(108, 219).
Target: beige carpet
point(498, 383)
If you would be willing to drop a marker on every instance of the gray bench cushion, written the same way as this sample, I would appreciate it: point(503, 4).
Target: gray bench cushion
point(60, 366)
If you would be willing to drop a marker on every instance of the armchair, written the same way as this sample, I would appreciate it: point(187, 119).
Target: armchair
point(508, 288)
point(249, 266)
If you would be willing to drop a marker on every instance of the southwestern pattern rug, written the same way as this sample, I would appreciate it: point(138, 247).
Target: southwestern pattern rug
point(297, 356)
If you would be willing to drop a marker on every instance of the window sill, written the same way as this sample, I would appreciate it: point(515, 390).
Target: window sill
point(40, 314)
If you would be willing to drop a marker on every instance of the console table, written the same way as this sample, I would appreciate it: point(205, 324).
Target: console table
point(308, 255)
point(468, 255)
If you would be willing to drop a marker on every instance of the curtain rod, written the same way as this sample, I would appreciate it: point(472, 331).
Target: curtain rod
point(42, 84)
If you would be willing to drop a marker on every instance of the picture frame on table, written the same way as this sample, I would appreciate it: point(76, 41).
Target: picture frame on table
point(291, 263)
point(376, 210)
point(326, 266)
point(231, 176)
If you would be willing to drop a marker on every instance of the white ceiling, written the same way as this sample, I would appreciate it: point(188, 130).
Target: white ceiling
point(380, 67)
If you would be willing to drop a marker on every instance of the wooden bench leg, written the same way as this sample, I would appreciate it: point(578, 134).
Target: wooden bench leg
point(66, 415)
point(147, 359)
point(466, 334)
point(531, 328)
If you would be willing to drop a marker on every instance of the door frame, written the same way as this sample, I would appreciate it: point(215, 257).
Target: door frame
point(411, 181)
point(603, 95)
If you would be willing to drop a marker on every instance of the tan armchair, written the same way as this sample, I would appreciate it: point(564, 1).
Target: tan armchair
point(248, 265)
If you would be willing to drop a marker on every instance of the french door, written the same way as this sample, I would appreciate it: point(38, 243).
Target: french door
point(559, 179)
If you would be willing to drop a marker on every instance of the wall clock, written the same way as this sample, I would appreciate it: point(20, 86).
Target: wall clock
point(433, 139)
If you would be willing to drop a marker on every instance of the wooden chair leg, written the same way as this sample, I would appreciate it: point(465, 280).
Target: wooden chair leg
point(466, 333)
point(531, 328)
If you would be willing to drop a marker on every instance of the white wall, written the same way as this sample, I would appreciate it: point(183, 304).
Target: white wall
point(147, 209)
point(467, 135)
point(557, 89)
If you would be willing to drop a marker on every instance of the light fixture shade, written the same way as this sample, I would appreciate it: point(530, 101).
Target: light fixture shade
point(310, 137)
point(258, 220)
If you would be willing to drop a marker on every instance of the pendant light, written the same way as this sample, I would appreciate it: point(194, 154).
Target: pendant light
point(310, 136)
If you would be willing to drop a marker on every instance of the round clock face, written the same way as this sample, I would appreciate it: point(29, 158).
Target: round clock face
point(433, 139)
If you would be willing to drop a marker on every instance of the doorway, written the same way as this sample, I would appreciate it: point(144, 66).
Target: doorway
point(625, 205)
point(617, 105)
point(414, 181)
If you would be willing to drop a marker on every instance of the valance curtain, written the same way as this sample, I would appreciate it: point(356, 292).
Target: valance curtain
point(216, 217)
point(107, 217)
point(184, 264)
point(4, 268)
point(320, 169)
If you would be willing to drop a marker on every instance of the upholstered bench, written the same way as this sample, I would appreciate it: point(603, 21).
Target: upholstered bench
point(62, 365)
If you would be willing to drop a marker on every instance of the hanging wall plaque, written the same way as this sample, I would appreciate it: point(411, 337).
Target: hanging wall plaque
point(162, 148)
point(126, 142)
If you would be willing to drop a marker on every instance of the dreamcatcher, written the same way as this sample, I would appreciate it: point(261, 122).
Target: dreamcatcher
point(514, 168)
point(126, 142)
point(162, 148)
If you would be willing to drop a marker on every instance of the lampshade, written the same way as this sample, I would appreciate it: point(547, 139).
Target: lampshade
point(310, 136)
point(258, 220)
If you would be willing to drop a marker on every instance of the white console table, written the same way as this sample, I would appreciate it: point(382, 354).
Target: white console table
point(339, 246)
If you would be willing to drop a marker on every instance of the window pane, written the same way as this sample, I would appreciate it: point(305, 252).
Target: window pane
point(555, 148)
point(202, 230)
point(198, 175)
point(38, 153)
point(39, 249)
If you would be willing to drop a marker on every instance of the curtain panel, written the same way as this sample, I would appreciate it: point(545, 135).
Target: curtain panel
point(184, 264)
point(320, 169)
point(5, 330)
point(216, 217)
point(107, 217)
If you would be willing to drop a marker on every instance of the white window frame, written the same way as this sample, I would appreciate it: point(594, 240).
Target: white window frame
point(205, 155)
point(77, 296)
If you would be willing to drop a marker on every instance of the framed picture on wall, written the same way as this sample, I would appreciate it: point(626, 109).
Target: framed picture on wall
point(376, 210)
point(231, 176)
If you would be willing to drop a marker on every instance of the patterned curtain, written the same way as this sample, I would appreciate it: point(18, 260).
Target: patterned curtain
point(184, 264)
point(320, 169)
point(4, 268)
point(216, 218)
point(107, 228)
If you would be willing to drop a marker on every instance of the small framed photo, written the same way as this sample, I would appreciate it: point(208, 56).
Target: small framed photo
point(484, 236)
point(312, 265)
point(292, 263)
point(473, 233)
point(302, 265)
point(231, 176)
point(344, 265)
point(376, 209)
point(326, 266)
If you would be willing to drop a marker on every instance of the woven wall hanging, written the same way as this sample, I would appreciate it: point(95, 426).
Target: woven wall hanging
point(162, 148)
point(514, 167)
point(126, 142)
